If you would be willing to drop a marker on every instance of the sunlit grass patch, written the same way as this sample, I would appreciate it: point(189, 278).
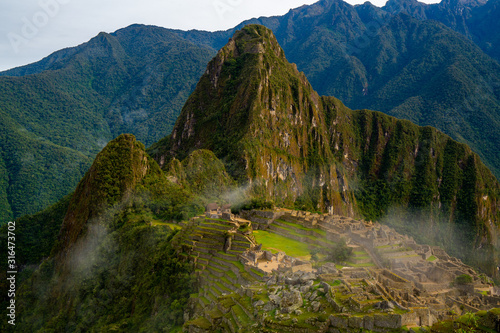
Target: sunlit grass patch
point(275, 243)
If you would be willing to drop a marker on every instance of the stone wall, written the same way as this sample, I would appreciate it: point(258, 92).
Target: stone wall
point(261, 218)
point(391, 280)
point(440, 275)
point(375, 323)
point(303, 268)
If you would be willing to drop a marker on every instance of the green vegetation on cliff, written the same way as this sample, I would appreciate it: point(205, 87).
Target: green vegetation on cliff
point(116, 171)
point(107, 259)
point(56, 115)
point(125, 276)
point(411, 68)
point(482, 321)
point(274, 132)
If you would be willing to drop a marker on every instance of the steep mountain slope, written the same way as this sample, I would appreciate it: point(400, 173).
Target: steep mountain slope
point(137, 79)
point(476, 19)
point(408, 68)
point(116, 171)
point(262, 118)
point(114, 238)
point(58, 113)
point(485, 27)
point(257, 113)
point(117, 264)
point(453, 13)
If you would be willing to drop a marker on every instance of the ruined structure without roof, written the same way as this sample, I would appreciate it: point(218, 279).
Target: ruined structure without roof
point(402, 284)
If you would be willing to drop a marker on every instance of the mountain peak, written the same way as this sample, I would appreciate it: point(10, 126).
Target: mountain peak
point(463, 3)
point(261, 116)
point(246, 80)
point(411, 7)
point(116, 170)
point(256, 39)
point(251, 40)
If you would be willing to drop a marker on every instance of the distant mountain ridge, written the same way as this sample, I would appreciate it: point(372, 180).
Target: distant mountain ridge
point(56, 115)
point(137, 79)
point(408, 68)
point(253, 124)
point(476, 19)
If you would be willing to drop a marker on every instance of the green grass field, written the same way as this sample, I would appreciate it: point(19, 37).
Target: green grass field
point(301, 227)
point(173, 226)
point(275, 243)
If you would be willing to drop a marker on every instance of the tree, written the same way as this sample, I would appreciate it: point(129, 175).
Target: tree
point(463, 279)
point(340, 252)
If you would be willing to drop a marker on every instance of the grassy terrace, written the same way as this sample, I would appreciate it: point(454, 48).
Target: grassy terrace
point(257, 272)
point(275, 243)
point(242, 316)
point(227, 255)
point(290, 231)
point(358, 257)
point(210, 266)
point(222, 287)
point(244, 274)
point(233, 322)
point(366, 264)
point(361, 257)
point(204, 300)
point(217, 220)
point(225, 280)
point(384, 246)
point(231, 274)
point(200, 322)
point(207, 229)
point(246, 302)
point(406, 256)
point(215, 226)
point(393, 249)
point(172, 226)
point(240, 243)
point(301, 227)
point(215, 313)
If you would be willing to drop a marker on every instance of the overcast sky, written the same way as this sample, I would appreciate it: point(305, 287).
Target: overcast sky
point(32, 29)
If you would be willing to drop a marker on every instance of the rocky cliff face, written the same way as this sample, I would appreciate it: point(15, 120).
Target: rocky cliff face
point(261, 117)
point(264, 120)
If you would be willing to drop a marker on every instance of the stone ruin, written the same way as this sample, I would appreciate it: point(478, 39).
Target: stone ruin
point(410, 284)
point(413, 277)
point(214, 211)
point(268, 262)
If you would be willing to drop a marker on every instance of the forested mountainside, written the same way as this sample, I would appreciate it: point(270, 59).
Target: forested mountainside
point(476, 19)
point(254, 128)
point(263, 119)
point(56, 115)
point(409, 68)
point(65, 108)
